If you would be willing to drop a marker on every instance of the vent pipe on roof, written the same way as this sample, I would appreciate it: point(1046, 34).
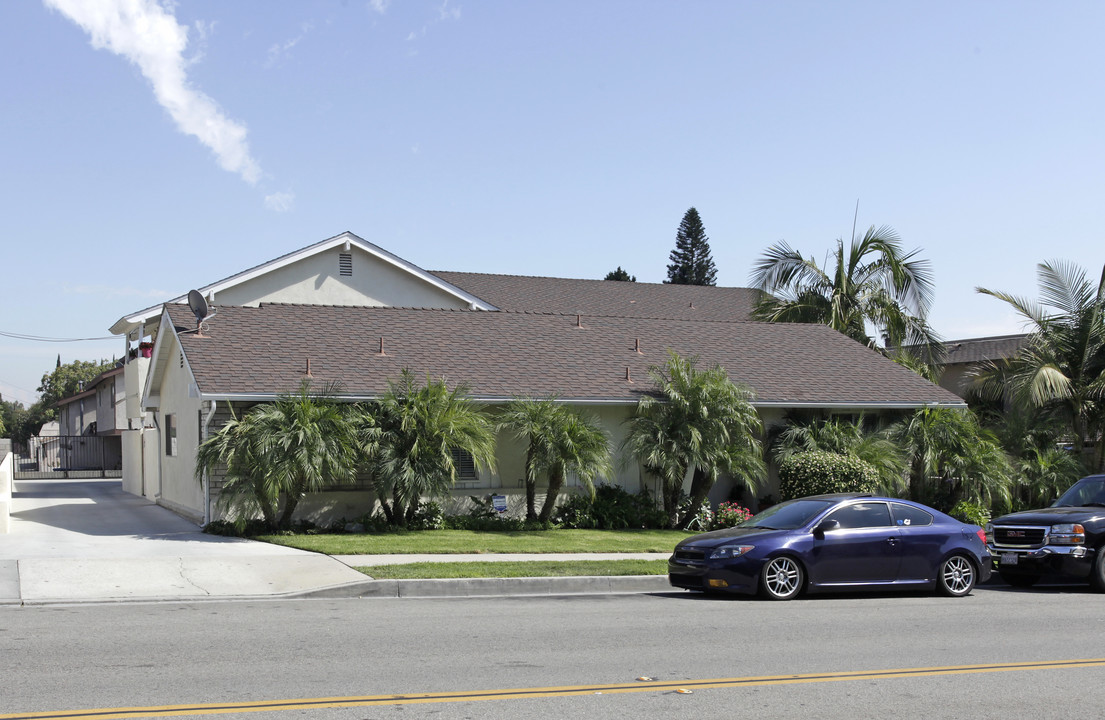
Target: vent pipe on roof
point(638, 347)
point(579, 321)
point(308, 373)
point(692, 304)
point(381, 351)
point(628, 377)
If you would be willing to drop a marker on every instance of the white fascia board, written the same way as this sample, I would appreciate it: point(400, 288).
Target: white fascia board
point(860, 406)
point(501, 399)
point(128, 323)
point(351, 239)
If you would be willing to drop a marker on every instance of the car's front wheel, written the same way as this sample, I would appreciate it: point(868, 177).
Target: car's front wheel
point(781, 578)
point(1097, 575)
point(957, 576)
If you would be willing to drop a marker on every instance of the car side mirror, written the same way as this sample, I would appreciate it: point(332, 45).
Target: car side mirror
point(825, 526)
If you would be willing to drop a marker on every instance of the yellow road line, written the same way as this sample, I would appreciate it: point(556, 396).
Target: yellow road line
point(538, 692)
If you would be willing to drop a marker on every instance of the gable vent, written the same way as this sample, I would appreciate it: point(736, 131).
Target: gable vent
point(345, 265)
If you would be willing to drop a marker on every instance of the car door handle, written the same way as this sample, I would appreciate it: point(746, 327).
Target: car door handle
point(892, 541)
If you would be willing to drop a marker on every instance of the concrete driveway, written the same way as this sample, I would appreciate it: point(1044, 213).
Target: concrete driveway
point(87, 540)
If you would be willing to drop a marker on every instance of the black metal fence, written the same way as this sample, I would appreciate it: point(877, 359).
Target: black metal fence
point(70, 456)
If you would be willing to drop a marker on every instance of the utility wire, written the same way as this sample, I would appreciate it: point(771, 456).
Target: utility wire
point(37, 338)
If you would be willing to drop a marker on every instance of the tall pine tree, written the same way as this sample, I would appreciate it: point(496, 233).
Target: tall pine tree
point(691, 263)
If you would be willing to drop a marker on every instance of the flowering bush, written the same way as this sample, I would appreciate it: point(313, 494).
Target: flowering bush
point(729, 514)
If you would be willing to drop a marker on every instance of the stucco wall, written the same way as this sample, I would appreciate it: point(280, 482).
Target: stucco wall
point(6, 480)
point(179, 489)
point(134, 383)
point(506, 479)
point(316, 281)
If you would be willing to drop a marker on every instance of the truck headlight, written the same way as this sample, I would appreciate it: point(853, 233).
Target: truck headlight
point(989, 530)
point(1067, 534)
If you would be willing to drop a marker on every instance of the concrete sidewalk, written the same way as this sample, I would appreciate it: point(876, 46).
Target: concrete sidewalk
point(88, 541)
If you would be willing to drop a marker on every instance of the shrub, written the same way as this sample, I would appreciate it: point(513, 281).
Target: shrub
point(971, 513)
point(819, 472)
point(611, 509)
point(428, 516)
point(482, 516)
point(701, 519)
point(729, 514)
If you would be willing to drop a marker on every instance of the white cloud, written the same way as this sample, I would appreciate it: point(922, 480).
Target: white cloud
point(280, 202)
point(379, 6)
point(448, 13)
point(279, 49)
point(146, 33)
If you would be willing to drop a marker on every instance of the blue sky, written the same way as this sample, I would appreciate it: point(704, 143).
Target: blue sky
point(150, 148)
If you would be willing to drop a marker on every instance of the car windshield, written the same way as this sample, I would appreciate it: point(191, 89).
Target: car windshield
point(1088, 491)
point(789, 515)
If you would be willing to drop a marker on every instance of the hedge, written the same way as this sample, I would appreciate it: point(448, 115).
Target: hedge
point(819, 472)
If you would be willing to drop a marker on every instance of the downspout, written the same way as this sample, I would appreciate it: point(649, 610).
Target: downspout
point(206, 480)
point(160, 455)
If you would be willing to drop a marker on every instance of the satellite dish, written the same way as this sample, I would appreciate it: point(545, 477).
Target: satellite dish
point(198, 304)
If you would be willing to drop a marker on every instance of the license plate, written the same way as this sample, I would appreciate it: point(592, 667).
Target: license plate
point(1009, 558)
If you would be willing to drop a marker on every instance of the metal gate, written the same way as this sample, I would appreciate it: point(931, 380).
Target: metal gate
point(70, 456)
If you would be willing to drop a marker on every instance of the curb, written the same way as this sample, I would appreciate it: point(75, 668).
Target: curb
point(494, 587)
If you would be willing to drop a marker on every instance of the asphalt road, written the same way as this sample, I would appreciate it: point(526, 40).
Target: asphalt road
point(578, 657)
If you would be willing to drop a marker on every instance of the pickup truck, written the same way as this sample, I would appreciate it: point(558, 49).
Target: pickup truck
point(1067, 538)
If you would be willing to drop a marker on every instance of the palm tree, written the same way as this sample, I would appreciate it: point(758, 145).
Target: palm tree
point(953, 458)
point(558, 440)
point(872, 282)
point(280, 451)
point(698, 420)
point(417, 428)
point(577, 445)
point(1032, 438)
point(1061, 367)
point(845, 437)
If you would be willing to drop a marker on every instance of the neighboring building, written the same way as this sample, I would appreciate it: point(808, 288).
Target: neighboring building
point(90, 426)
point(963, 356)
point(346, 311)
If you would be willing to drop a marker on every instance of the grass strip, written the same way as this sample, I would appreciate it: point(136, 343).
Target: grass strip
point(536, 568)
point(469, 541)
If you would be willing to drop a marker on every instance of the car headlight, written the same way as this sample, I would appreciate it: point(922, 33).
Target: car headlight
point(726, 552)
point(1068, 534)
point(989, 531)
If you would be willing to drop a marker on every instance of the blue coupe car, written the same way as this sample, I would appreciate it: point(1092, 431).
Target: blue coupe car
point(842, 542)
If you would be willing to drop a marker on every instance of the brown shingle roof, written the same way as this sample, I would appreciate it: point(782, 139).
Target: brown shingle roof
point(264, 350)
point(1002, 347)
point(606, 297)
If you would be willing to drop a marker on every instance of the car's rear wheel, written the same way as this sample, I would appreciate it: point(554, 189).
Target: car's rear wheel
point(1018, 579)
point(957, 576)
point(781, 578)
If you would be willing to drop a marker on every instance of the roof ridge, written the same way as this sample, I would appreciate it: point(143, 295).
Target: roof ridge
point(588, 280)
point(540, 313)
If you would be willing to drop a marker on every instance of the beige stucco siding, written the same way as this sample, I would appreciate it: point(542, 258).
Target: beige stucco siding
point(179, 488)
point(316, 280)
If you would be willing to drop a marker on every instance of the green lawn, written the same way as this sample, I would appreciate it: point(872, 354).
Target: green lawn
point(541, 568)
point(468, 541)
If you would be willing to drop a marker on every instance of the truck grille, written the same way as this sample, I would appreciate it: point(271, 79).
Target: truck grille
point(1019, 536)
